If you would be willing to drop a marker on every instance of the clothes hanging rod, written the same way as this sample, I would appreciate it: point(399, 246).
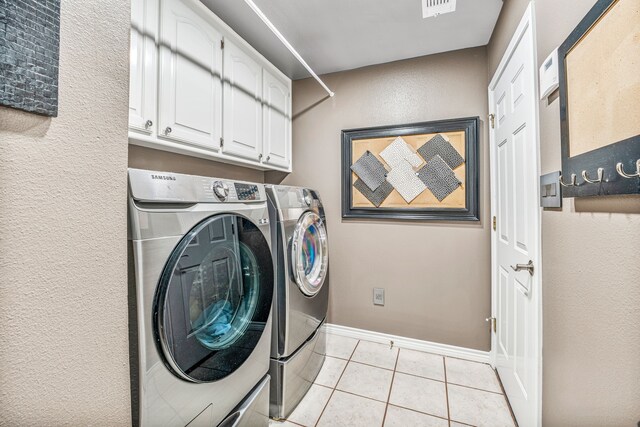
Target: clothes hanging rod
point(284, 41)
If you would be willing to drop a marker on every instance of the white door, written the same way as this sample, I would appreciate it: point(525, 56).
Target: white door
point(242, 104)
point(190, 98)
point(143, 66)
point(516, 239)
point(277, 121)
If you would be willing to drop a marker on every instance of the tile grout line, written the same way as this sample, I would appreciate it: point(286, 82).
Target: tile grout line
point(446, 389)
point(417, 351)
point(419, 412)
point(437, 380)
point(359, 395)
point(369, 364)
point(393, 376)
point(337, 382)
point(413, 349)
point(473, 388)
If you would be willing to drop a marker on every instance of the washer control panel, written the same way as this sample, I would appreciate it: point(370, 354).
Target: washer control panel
point(221, 190)
point(247, 191)
point(152, 186)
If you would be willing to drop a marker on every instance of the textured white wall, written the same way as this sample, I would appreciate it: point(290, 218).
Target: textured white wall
point(63, 266)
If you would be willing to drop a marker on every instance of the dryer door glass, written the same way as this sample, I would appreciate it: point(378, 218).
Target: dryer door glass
point(310, 253)
point(214, 298)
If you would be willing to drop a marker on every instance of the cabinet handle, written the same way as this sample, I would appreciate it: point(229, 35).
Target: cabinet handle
point(167, 130)
point(148, 124)
point(268, 158)
point(259, 156)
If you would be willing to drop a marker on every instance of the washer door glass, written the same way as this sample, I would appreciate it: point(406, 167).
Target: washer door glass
point(214, 298)
point(310, 253)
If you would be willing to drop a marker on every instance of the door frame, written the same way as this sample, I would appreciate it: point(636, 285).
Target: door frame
point(526, 28)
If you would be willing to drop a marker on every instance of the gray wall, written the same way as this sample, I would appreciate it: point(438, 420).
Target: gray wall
point(63, 240)
point(436, 274)
point(590, 267)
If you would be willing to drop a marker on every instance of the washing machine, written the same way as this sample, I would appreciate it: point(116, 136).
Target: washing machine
point(202, 292)
point(301, 258)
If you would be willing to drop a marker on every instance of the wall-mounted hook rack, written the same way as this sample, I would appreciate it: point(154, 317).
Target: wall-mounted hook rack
point(593, 181)
point(573, 181)
point(622, 173)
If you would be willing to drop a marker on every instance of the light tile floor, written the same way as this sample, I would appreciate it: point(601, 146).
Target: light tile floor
point(368, 384)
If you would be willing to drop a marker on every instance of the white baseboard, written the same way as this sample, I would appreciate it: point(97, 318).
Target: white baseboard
point(409, 343)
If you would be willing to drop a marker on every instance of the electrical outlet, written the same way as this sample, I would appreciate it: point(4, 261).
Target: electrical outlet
point(378, 296)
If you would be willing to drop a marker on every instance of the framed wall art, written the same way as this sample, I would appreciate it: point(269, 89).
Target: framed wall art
point(599, 81)
point(419, 171)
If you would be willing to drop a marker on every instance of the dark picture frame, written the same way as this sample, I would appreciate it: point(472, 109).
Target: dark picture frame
point(470, 212)
point(626, 151)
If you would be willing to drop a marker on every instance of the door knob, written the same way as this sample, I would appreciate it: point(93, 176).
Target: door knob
point(528, 266)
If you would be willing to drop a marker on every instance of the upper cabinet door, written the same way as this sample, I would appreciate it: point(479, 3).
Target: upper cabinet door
point(190, 90)
point(242, 104)
point(143, 66)
point(277, 121)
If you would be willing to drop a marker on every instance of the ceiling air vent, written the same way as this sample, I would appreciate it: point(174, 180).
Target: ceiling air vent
point(437, 7)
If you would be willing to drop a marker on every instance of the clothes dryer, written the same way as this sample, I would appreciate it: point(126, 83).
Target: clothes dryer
point(301, 257)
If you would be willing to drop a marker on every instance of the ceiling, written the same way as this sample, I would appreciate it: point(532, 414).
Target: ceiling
point(336, 35)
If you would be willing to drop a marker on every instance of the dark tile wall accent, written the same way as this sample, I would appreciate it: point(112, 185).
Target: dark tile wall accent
point(29, 53)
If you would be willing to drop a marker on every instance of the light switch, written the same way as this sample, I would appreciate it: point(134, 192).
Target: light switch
point(550, 190)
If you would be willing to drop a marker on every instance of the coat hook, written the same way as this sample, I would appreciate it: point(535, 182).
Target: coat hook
point(623, 174)
point(573, 181)
point(595, 181)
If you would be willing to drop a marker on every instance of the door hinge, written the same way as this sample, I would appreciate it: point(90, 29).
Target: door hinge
point(221, 142)
point(492, 321)
point(495, 223)
point(492, 119)
point(222, 44)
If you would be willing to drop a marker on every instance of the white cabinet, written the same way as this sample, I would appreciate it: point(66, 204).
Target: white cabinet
point(192, 94)
point(143, 66)
point(276, 120)
point(190, 89)
point(242, 104)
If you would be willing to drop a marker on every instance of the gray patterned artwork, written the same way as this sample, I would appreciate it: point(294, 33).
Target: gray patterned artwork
point(430, 169)
point(375, 197)
point(438, 146)
point(399, 152)
point(404, 180)
point(370, 170)
point(439, 177)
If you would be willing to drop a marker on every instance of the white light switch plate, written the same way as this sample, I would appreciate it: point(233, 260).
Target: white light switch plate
point(378, 296)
